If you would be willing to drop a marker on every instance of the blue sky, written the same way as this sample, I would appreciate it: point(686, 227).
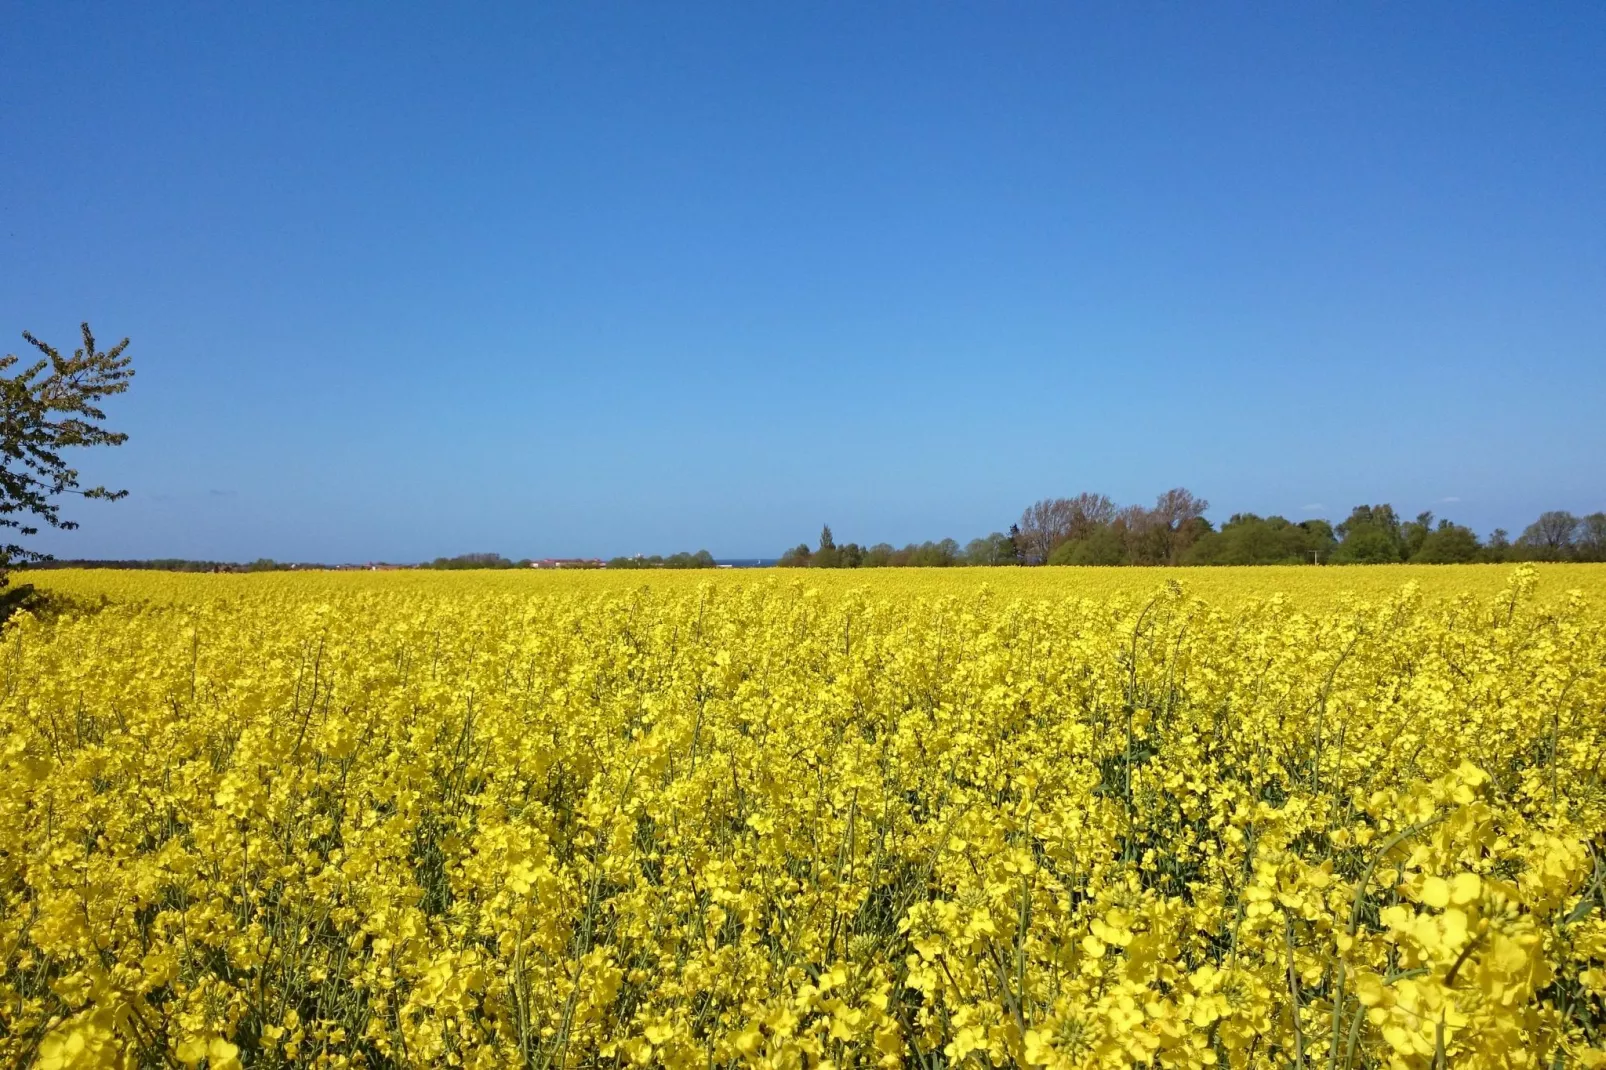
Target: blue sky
point(404, 281)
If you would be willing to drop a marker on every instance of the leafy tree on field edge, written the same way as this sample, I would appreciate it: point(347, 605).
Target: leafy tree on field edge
point(47, 407)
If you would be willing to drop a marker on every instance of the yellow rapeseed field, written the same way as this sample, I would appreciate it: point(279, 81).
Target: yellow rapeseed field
point(1272, 817)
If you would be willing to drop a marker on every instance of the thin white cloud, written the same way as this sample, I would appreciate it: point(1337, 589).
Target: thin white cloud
point(1314, 507)
point(1447, 501)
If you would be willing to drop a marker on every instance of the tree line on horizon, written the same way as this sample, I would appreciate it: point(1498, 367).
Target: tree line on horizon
point(1090, 529)
point(700, 559)
point(684, 559)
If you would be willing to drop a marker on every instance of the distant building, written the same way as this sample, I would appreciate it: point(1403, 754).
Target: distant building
point(568, 562)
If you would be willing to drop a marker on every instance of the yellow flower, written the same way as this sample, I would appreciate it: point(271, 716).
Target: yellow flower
point(1044, 817)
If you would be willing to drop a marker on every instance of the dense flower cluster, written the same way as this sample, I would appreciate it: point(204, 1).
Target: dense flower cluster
point(894, 820)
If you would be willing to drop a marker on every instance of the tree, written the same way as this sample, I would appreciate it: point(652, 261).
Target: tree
point(468, 561)
point(1367, 545)
point(1382, 517)
point(700, 559)
point(994, 549)
point(827, 555)
point(1042, 527)
point(50, 406)
point(1591, 541)
point(1047, 523)
point(1177, 506)
point(797, 557)
point(1101, 546)
point(1087, 512)
point(1247, 539)
point(878, 556)
point(1013, 545)
point(1372, 536)
point(1141, 543)
point(1448, 544)
point(1416, 532)
point(1499, 546)
point(1551, 536)
point(1176, 521)
point(1322, 539)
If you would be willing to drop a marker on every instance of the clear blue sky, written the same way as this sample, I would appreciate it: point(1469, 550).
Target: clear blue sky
point(593, 279)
